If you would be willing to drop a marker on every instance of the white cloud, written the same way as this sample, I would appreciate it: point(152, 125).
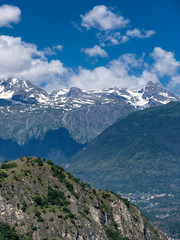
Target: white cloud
point(95, 51)
point(9, 14)
point(108, 23)
point(23, 60)
point(165, 63)
point(124, 39)
point(131, 72)
point(174, 84)
point(103, 18)
point(48, 51)
point(111, 38)
point(58, 47)
point(119, 73)
point(174, 81)
point(51, 51)
point(140, 33)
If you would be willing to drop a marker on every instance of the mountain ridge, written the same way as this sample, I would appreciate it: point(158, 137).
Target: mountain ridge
point(13, 88)
point(139, 155)
point(44, 202)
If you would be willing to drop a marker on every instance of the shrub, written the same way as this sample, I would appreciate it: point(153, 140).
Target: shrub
point(66, 210)
point(3, 175)
point(39, 161)
point(7, 232)
point(34, 228)
point(58, 172)
point(24, 206)
point(50, 162)
point(37, 213)
point(71, 215)
point(38, 200)
point(86, 210)
point(69, 186)
point(114, 235)
point(40, 219)
point(8, 165)
point(105, 195)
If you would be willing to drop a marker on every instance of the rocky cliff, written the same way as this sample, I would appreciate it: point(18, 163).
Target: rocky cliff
point(43, 201)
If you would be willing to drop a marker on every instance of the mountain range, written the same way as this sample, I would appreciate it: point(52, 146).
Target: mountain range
point(137, 156)
point(28, 113)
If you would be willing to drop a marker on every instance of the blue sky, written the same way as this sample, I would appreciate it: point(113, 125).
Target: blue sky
point(91, 44)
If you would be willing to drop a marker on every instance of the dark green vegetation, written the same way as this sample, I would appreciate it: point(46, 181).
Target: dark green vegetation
point(39, 200)
point(139, 154)
point(56, 144)
point(9, 233)
point(114, 235)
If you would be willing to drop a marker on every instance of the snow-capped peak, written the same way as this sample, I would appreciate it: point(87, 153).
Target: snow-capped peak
point(24, 92)
point(21, 91)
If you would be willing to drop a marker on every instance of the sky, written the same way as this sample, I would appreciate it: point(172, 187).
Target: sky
point(91, 44)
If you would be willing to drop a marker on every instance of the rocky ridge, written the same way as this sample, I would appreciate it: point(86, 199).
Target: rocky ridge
point(44, 202)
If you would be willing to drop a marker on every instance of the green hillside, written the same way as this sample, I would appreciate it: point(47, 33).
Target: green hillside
point(139, 153)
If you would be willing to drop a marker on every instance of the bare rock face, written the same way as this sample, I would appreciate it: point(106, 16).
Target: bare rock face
point(44, 202)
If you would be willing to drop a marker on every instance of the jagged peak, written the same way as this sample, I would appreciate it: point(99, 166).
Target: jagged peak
point(74, 92)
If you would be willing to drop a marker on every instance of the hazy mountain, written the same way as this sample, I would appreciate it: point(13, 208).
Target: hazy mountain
point(43, 201)
point(56, 144)
point(139, 156)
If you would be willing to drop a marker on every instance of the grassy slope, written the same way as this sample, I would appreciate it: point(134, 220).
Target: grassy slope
point(139, 152)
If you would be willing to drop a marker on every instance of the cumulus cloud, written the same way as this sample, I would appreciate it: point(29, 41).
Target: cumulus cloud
point(23, 60)
point(9, 14)
point(109, 24)
point(131, 72)
point(165, 62)
point(95, 51)
point(118, 73)
point(137, 33)
point(103, 18)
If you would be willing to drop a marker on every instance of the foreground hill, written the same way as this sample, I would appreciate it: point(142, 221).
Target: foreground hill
point(139, 154)
point(43, 202)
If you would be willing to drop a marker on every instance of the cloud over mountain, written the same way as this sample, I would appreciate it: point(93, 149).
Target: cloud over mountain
point(23, 60)
point(43, 67)
point(129, 71)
